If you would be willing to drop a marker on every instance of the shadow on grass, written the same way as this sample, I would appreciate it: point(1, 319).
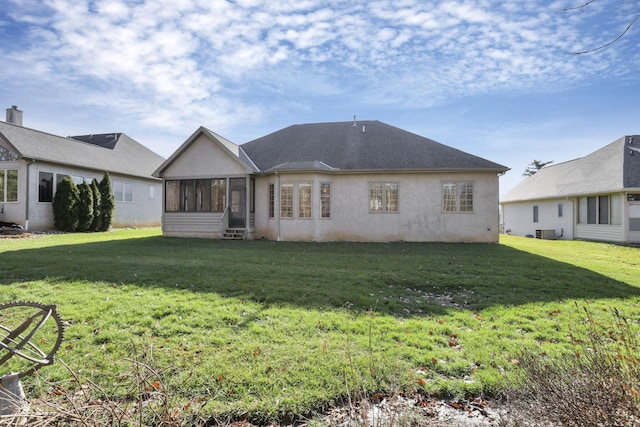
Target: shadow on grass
point(393, 278)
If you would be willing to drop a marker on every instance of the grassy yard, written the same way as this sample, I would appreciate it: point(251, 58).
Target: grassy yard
point(277, 330)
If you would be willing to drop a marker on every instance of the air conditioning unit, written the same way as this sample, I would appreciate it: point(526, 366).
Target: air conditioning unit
point(546, 234)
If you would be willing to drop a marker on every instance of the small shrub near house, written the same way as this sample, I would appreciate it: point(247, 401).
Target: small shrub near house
point(85, 207)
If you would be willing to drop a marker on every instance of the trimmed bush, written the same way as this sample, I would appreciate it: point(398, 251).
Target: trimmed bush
point(85, 208)
point(108, 205)
point(96, 224)
point(65, 205)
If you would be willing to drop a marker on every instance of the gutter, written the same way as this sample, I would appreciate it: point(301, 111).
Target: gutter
point(26, 205)
point(275, 207)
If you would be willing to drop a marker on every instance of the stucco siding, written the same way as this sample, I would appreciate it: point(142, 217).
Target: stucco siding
point(420, 216)
point(518, 218)
point(203, 158)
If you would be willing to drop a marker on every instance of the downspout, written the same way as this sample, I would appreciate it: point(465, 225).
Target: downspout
point(26, 205)
point(277, 191)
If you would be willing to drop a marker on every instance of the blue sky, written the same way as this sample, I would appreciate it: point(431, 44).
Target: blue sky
point(492, 78)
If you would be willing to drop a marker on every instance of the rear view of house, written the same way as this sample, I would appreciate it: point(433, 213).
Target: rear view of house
point(356, 181)
point(596, 197)
point(32, 163)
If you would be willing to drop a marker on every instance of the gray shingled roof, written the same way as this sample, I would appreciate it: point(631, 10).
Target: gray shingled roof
point(610, 169)
point(365, 146)
point(127, 156)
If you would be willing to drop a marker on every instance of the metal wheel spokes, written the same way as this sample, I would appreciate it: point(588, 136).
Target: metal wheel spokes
point(20, 335)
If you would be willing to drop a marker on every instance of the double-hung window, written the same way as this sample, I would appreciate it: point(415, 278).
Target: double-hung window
point(122, 191)
point(383, 197)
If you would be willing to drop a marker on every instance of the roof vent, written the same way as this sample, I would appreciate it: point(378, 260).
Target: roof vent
point(14, 116)
point(354, 121)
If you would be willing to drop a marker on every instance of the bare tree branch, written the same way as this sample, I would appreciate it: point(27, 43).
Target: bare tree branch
point(582, 7)
point(612, 41)
point(579, 7)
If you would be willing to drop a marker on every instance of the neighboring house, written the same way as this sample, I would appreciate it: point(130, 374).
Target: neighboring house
point(351, 181)
point(32, 163)
point(596, 197)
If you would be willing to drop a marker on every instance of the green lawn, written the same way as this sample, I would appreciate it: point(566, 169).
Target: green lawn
point(275, 330)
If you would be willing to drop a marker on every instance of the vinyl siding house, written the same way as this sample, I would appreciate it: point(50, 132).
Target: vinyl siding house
point(32, 163)
point(345, 181)
point(596, 197)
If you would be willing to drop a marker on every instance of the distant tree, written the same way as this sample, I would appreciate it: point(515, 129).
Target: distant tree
point(108, 205)
point(65, 205)
point(85, 207)
point(632, 11)
point(96, 224)
point(534, 167)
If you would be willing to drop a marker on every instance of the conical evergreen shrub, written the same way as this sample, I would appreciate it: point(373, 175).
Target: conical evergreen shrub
point(85, 208)
point(65, 205)
point(96, 224)
point(108, 203)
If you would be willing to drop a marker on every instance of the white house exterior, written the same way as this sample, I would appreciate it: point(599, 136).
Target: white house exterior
point(596, 197)
point(360, 181)
point(32, 163)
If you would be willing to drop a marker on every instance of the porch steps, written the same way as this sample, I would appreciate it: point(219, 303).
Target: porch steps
point(233, 234)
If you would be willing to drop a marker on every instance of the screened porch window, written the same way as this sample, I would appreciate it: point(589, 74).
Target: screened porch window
point(195, 195)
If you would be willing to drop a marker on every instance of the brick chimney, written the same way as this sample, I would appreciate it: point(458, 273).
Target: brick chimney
point(14, 116)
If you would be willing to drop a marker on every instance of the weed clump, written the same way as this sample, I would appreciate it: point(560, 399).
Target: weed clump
point(598, 384)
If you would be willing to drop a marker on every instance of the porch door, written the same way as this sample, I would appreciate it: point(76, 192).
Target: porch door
point(238, 203)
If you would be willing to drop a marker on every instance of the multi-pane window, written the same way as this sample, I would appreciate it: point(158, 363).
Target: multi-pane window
point(466, 196)
point(325, 200)
point(286, 200)
point(195, 195)
point(304, 200)
point(272, 200)
point(383, 197)
point(457, 197)
point(45, 187)
point(8, 185)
